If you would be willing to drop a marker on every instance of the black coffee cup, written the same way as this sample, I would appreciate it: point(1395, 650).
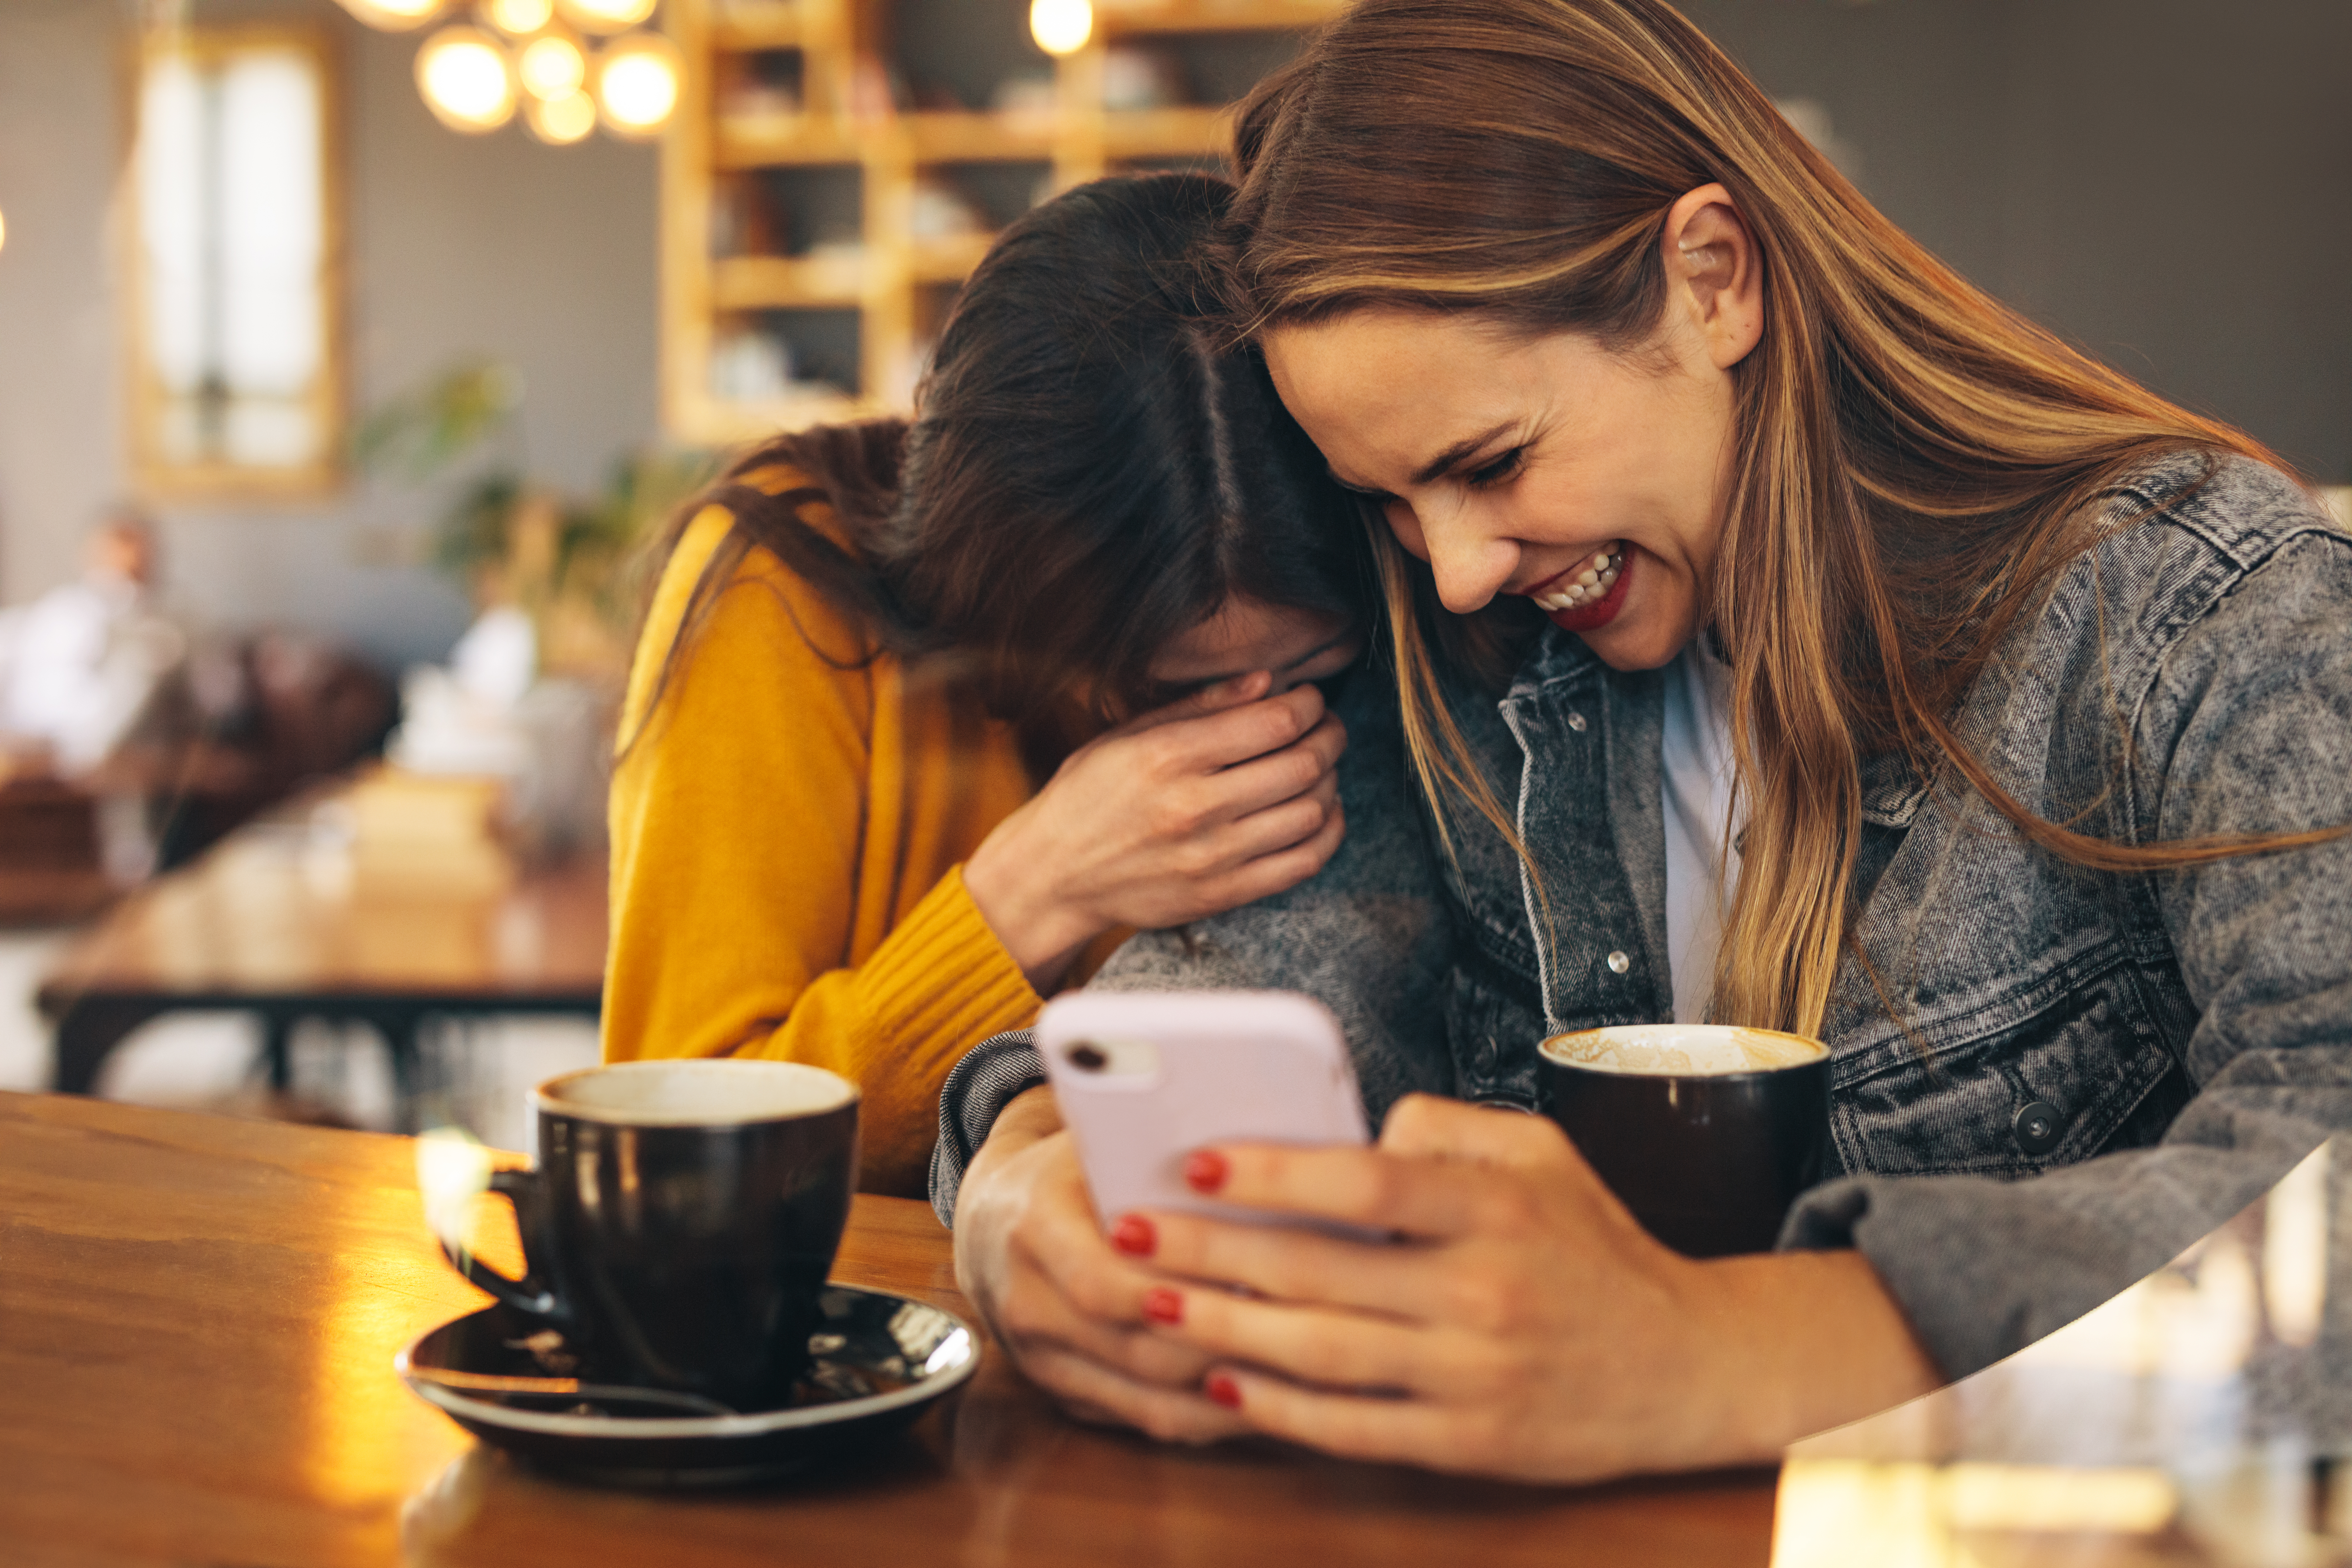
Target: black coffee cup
point(681, 1221)
point(1706, 1132)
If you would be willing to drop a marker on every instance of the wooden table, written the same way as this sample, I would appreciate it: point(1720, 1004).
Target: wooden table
point(197, 1322)
point(264, 923)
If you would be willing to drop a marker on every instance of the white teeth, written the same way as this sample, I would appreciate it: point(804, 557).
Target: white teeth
point(1590, 583)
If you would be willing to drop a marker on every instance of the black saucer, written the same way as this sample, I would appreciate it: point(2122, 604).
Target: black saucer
point(880, 1360)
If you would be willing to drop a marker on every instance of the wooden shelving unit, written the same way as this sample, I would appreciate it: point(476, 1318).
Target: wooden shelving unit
point(784, 91)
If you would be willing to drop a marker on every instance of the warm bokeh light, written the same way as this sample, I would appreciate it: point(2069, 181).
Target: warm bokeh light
point(453, 1169)
point(2295, 1252)
point(605, 15)
point(1061, 27)
point(463, 73)
point(518, 18)
point(394, 15)
point(4, 231)
point(551, 68)
point(1857, 1513)
point(638, 81)
point(561, 122)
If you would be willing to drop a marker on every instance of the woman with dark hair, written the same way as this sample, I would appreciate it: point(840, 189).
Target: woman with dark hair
point(1912, 681)
point(922, 712)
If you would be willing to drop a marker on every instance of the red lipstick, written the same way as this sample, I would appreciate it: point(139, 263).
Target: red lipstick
point(1593, 616)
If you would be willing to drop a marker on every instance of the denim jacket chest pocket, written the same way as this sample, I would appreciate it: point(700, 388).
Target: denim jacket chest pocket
point(2037, 1023)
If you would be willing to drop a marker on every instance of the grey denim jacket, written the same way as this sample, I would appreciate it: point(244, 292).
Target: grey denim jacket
point(2190, 1029)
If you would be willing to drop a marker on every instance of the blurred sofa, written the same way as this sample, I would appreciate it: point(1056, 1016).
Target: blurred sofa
point(238, 725)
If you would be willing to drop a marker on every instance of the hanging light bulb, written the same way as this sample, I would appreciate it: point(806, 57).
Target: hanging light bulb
point(519, 18)
point(463, 73)
point(1061, 27)
point(605, 15)
point(551, 67)
point(394, 15)
point(638, 81)
point(560, 121)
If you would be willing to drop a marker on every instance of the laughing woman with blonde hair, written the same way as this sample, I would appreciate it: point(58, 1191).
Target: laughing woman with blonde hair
point(1912, 681)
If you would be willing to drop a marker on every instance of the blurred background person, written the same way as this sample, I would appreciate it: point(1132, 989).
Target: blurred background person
point(80, 664)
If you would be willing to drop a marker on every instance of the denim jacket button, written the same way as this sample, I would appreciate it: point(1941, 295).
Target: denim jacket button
point(2037, 1127)
point(1576, 722)
point(1619, 964)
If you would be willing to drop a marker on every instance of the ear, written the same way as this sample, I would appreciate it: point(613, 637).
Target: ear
point(1714, 272)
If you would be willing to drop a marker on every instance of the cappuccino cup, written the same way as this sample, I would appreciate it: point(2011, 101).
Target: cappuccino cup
point(1706, 1132)
point(680, 1223)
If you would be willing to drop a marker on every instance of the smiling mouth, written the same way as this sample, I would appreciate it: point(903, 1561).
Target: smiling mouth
point(1584, 585)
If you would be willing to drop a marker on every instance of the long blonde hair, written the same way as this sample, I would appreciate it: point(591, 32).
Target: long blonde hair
point(1916, 462)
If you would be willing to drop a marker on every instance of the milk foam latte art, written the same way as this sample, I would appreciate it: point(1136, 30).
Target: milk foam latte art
point(1706, 1050)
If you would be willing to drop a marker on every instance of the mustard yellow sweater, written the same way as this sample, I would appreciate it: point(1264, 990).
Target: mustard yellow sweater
point(787, 844)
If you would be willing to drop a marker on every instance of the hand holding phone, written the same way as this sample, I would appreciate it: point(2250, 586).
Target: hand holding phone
point(1144, 1078)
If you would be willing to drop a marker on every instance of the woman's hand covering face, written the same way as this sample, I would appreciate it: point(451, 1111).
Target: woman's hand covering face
point(1217, 801)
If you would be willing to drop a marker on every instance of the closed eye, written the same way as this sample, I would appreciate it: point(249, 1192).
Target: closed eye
point(1500, 470)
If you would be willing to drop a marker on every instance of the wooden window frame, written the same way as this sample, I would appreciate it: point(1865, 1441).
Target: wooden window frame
point(154, 477)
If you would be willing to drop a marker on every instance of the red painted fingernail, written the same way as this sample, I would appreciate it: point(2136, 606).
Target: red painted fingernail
point(1205, 1170)
point(1133, 1235)
point(1162, 1305)
point(1223, 1389)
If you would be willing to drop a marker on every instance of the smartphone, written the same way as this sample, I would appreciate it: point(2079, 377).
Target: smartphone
point(1144, 1077)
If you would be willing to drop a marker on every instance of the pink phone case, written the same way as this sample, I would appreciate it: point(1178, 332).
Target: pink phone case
point(1145, 1077)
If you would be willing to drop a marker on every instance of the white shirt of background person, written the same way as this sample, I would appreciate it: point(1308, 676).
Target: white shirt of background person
point(78, 665)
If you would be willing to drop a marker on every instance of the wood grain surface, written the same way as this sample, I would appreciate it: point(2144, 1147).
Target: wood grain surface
point(257, 916)
point(197, 1322)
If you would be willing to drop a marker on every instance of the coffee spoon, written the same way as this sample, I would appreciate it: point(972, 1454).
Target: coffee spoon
point(570, 1387)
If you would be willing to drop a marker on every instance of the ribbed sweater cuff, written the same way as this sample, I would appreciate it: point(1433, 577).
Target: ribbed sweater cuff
point(941, 976)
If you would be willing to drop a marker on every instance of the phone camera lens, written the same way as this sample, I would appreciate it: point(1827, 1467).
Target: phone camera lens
point(1086, 1057)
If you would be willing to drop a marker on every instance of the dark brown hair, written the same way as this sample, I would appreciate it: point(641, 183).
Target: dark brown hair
point(1095, 468)
point(1916, 462)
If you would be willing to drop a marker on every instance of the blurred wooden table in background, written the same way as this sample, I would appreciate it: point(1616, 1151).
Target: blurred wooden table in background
point(284, 920)
point(198, 1322)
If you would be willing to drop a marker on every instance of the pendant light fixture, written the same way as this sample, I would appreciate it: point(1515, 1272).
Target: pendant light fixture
point(531, 55)
point(395, 15)
point(561, 122)
point(1061, 27)
point(552, 66)
point(637, 82)
point(519, 18)
point(466, 79)
point(604, 16)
